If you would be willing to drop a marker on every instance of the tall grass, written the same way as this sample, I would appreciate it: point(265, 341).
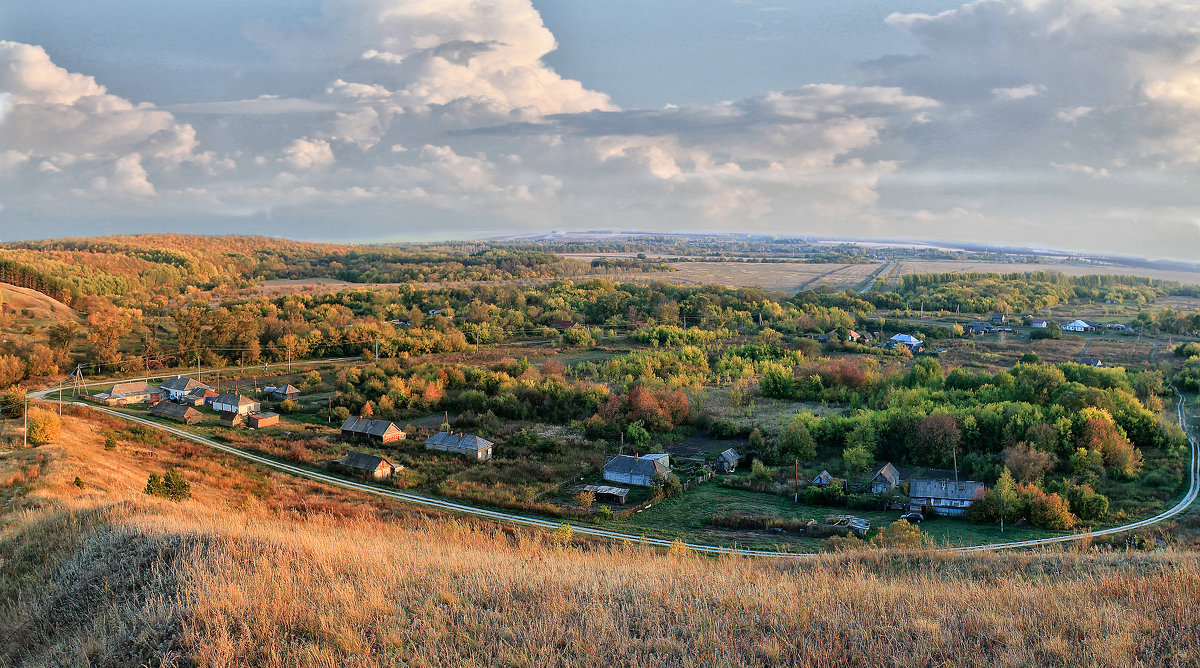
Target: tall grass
point(129, 580)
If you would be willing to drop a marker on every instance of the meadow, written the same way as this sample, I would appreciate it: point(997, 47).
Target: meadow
point(102, 575)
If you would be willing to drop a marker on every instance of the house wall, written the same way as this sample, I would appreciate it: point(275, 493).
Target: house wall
point(629, 478)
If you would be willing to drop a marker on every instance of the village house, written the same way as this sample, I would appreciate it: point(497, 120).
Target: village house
point(639, 471)
point(942, 497)
point(885, 479)
point(1037, 323)
point(231, 419)
point(1092, 362)
point(125, 394)
point(727, 461)
point(371, 429)
point(176, 387)
point(475, 447)
point(997, 318)
point(907, 341)
point(260, 420)
point(373, 466)
point(199, 396)
point(176, 412)
point(980, 327)
point(283, 393)
point(235, 402)
point(823, 479)
point(1079, 326)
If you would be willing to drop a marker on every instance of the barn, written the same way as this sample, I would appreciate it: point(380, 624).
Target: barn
point(942, 497)
point(374, 430)
point(176, 412)
point(362, 463)
point(639, 471)
point(475, 447)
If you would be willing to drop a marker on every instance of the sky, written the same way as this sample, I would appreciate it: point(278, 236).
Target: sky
point(1066, 124)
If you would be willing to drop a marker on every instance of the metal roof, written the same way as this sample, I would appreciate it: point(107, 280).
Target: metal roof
point(181, 384)
point(888, 472)
point(729, 455)
point(647, 465)
point(460, 441)
point(363, 462)
point(957, 490)
point(368, 426)
point(235, 399)
point(172, 410)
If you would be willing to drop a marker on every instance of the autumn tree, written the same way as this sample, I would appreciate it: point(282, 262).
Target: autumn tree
point(1027, 463)
point(938, 436)
point(44, 426)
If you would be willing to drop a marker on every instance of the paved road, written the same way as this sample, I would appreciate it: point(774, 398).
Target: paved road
point(585, 530)
point(883, 272)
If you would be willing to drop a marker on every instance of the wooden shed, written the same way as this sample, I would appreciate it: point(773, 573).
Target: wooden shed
point(260, 420)
point(177, 412)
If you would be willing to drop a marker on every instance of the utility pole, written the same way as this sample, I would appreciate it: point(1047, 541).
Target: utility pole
point(25, 437)
point(955, 451)
point(329, 410)
point(797, 480)
point(289, 361)
point(60, 400)
point(197, 365)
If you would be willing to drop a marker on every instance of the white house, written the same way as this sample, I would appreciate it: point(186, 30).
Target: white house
point(908, 341)
point(637, 470)
point(1078, 326)
point(235, 402)
point(1037, 323)
point(177, 386)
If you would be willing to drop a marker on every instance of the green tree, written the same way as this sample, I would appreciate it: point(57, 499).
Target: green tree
point(637, 435)
point(858, 459)
point(796, 442)
point(863, 437)
point(1006, 493)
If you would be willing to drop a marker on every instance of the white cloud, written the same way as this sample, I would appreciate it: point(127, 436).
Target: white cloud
point(304, 154)
point(1018, 92)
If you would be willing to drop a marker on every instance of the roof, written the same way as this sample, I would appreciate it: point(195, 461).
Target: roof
point(363, 462)
point(286, 389)
point(729, 455)
point(460, 441)
point(1033, 320)
point(1079, 323)
point(906, 339)
point(823, 477)
point(202, 392)
point(367, 426)
point(264, 416)
point(607, 489)
point(647, 465)
point(888, 473)
point(962, 490)
point(234, 398)
point(168, 409)
point(130, 388)
point(181, 384)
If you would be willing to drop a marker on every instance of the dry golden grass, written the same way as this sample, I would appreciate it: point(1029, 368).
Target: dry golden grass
point(111, 577)
point(785, 276)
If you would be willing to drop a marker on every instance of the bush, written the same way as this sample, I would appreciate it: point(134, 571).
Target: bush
point(341, 413)
point(724, 429)
point(44, 426)
point(288, 406)
point(13, 403)
point(899, 534)
point(1049, 332)
point(171, 486)
point(831, 495)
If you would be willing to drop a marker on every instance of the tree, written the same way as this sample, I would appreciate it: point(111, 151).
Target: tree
point(637, 435)
point(13, 403)
point(857, 459)
point(171, 486)
point(778, 382)
point(1006, 493)
point(44, 426)
point(1048, 511)
point(585, 499)
point(863, 437)
point(938, 436)
point(900, 534)
point(796, 442)
point(1027, 463)
point(12, 370)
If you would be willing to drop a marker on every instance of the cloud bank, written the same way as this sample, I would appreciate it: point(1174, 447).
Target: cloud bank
point(1047, 122)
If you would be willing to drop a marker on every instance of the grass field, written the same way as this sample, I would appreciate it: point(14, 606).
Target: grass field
point(942, 266)
point(784, 276)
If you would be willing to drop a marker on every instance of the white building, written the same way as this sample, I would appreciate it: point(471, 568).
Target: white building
point(1078, 326)
point(177, 386)
point(235, 402)
point(639, 471)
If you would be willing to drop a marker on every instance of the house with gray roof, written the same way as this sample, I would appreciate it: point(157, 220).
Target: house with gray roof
point(236, 402)
point(727, 461)
point(124, 394)
point(176, 387)
point(885, 479)
point(942, 497)
point(475, 447)
point(176, 412)
point(823, 479)
point(362, 463)
point(283, 393)
point(639, 471)
point(371, 429)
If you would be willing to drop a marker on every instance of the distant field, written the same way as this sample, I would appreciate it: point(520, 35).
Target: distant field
point(940, 266)
point(789, 277)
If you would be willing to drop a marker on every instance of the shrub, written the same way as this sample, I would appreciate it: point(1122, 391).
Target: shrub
point(797, 443)
point(341, 413)
point(899, 534)
point(44, 426)
point(170, 486)
point(604, 513)
point(585, 499)
point(13, 403)
point(759, 471)
point(831, 495)
point(288, 406)
point(724, 429)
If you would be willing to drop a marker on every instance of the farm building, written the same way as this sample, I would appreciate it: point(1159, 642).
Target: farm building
point(370, 465)
point(198, 396)
point(283, 393)
point(177, 412)
point(475, 447)
point(997, 318)
point(942, 497)
point(608, 493)
point(823, 479)
point(727, 461)
point(1078, 326)
point(235, 402)
point(1037, 323)
point(639, 471)
point(907, 341)
point(124, 394)
point(980, 327)
point(375, 430)
point(231, 419)
point(885, 479)
point(1092, 362)
point(260, 420)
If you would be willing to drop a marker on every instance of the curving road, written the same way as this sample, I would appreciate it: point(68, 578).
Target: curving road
point(586, 530)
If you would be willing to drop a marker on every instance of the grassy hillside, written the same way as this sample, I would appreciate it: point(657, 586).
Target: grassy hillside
point(258, 569)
